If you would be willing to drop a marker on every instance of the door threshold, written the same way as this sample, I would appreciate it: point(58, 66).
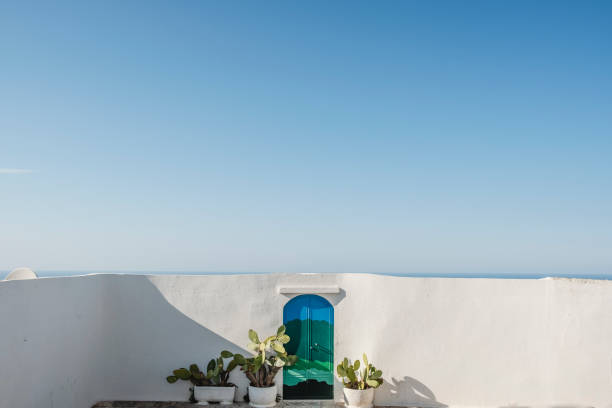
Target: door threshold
point(309, 400)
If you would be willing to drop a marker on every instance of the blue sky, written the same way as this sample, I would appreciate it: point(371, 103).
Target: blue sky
point(396, 137)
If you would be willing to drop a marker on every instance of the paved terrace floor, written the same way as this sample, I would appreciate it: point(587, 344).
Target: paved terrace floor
point(183, 404)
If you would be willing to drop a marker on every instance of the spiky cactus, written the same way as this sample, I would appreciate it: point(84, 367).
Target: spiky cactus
point(216, 374)
point(352, 377)
point(270, 356)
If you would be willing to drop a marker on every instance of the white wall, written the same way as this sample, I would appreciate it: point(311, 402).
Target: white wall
point(51, 332)
point(68, 342)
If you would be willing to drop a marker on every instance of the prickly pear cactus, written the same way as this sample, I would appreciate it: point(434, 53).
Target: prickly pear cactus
point(216, 373)
point(269, 357)
point(352, 377)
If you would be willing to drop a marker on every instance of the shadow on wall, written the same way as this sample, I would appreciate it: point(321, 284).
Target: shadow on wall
point(408, 391)
point(105, 337)
point(147, 337)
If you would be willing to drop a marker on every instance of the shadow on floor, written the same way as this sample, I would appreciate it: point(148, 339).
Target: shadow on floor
point(410, 392)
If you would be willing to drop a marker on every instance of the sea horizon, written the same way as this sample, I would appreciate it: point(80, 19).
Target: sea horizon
point(475, 275)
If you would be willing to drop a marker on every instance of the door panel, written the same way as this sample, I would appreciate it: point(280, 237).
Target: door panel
point(310, 324)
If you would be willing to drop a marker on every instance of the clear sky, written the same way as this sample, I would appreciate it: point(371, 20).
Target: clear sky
point(226, 136)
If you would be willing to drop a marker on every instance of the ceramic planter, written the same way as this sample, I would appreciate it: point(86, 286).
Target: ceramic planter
point(206, 394)
point(262, 397)
point(358, 398)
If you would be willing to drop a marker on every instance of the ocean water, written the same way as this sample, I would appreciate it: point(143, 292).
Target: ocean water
point(601, 276)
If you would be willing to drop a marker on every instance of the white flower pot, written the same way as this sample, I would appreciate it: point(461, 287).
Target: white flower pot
point(262, 397)
point(358, 398)
point(206, 394)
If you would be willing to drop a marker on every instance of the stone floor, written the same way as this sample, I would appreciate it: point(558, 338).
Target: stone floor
point(171, 404)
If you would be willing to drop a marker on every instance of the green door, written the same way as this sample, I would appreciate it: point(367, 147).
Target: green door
point(310, 324)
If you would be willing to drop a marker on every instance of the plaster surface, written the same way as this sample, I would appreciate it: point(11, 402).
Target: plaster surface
point(73, 341)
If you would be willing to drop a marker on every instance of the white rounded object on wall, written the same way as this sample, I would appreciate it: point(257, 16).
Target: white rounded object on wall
point(21, 274)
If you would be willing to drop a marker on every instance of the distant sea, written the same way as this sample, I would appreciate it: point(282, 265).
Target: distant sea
point(606, 276)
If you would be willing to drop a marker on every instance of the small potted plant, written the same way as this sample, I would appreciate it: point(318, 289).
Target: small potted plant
point(359, 385)
point(261, 369)
point(212, 386)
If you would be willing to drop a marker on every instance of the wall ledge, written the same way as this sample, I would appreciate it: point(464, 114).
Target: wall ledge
point(306, 289)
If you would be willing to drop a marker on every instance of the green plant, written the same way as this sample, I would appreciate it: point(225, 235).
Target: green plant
point(351, 377)
point(216, 373)
point(270, 356)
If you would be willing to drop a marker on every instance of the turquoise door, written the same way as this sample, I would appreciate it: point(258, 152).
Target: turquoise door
point(310, 324)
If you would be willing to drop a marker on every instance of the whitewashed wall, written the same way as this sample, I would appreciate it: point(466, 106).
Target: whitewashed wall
point(68, 342)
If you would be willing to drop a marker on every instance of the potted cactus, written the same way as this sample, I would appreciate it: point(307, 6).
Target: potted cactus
point(212, 385)
point(359, 385)
point(261, 369)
